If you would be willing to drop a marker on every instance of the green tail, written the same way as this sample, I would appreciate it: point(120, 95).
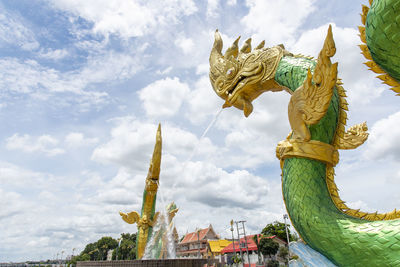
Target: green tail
point(383, 35)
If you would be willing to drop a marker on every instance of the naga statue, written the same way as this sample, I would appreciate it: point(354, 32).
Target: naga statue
point(148, 217)
point(317, 116)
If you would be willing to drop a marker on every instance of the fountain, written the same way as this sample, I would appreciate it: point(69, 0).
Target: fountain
point(162, 242)
point(156, 237)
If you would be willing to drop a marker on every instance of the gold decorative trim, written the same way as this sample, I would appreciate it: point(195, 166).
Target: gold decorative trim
point(310, 102)
point(341, 142)
point(354, 137)
point(307, 149)
point(371, 64)
point(341, 205)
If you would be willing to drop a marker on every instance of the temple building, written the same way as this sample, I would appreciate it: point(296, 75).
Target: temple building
point(195, 244)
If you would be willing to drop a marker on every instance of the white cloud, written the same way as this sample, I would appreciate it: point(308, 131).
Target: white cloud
point(251, 141)
point(130, 145)
point(111, 66)
point(383, 139)
point(52, 198)
point(53, 54)
point(45, 144)
point(202, 69)
point(202, 101)
point(13, 31)
point(220, 194)
point(11, 204)
point(132, 142)
point(78, 139)
point(216, 188)
point(265, 21)
point(164, 71)
point(186, 44)
point(17, 177)
point(128, 18)
point(212, 8)
point(30, 77)
point(163, 97)
point(41, 82)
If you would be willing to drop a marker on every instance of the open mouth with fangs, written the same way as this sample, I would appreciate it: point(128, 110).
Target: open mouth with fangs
point(241, 78)
point(236, 97)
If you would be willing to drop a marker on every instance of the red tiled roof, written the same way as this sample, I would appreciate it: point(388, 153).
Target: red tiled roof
point(192, 237)
point(250, 244)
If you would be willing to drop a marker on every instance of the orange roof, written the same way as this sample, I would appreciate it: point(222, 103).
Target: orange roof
point(192, 237)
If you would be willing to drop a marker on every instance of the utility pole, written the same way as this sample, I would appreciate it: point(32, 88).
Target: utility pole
point(240, 247)
point(198, 239)
point(245, 240)
point(285, 216)
point(233, 239)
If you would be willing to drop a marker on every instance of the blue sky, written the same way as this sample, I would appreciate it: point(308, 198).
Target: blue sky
point(83, 85)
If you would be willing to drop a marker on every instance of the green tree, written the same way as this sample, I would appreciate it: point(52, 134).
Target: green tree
point(256, 239)
point(127, 248)
point(91, 250)
point(273, 263)
point(268, 246)
point(104, 244)
point(283, 252)
point(278, 229)
point(75, 259)
point(98, 250)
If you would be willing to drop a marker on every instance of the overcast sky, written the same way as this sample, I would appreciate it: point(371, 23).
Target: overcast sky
point(83, 85)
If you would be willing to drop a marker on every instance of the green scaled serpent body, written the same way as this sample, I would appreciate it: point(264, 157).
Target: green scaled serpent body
point(317, 116)
point(345, 240)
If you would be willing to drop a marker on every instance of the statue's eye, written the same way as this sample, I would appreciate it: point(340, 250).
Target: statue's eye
point(230, 72)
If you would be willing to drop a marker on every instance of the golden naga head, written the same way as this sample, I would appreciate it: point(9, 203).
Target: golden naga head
point(239, 77)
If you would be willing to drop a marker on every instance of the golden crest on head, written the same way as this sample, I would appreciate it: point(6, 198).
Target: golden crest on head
point(239, 77)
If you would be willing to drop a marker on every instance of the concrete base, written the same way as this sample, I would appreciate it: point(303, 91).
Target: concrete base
point(150, 263)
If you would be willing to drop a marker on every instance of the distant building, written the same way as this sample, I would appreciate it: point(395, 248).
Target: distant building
point(215, 247)
point(195, 244)
point(235, 247)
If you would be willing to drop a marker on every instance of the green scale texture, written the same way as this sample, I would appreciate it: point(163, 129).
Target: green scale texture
point(345, 240)
point(383, 35)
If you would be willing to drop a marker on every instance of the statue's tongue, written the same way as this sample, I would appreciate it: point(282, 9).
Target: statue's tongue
point(247, 107)
point(240, 103)
point(244, 104)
